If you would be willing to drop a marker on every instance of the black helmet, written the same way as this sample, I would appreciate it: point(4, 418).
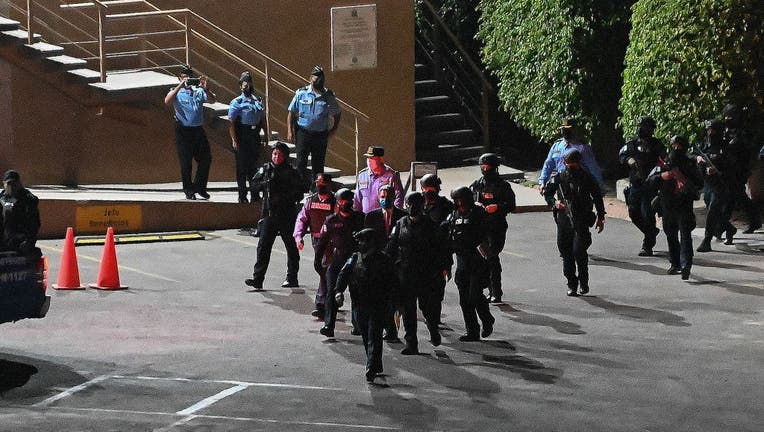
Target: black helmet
point(646, 121)
point(281, 146)
point(344, 194)
point(366, 239)
point(463, 193)
point(731, 111)
point(572, 155)
point(489, 159)
point(680, 140)
point(415, 203)
point(430, 180)
point(714, 124)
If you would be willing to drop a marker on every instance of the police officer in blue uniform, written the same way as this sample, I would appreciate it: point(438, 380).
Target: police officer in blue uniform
point(308, 122)
point(641, 155)
point(466, 232)
point(497, 198)
point(282, 189)
point(187, 100)
point(246, 114)
point(336, 240)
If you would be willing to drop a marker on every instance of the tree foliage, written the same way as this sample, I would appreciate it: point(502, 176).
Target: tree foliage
point(688, 58)
point(556, 58)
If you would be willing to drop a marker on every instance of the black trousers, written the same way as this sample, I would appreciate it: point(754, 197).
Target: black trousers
point(678, 224)
point(370, 319)
point(423, 293)
point(641, 213)
point(496, 240)
point(192, 144)
point(330, 312)
point(717, 198)
point(313, 144)
point(573, 243)
point(273, 226)
point(322, 292)
point(740, 199)
point(246, 157)
point(470, 280)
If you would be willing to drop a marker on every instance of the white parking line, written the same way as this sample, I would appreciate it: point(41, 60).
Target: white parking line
point(245, 383)
point(71, 391)
point(204, 403)
point(249, 243)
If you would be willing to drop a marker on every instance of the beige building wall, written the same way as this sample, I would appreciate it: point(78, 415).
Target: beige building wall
point(55, 137)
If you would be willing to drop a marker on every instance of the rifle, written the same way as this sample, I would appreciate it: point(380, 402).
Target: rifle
point(568, 204)
point(706, 159)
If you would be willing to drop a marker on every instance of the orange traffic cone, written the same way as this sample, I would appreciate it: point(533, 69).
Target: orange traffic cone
point(108, 274)
point(68, 272)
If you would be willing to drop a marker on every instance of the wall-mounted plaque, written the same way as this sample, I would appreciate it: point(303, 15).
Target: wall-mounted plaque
point(354, 37)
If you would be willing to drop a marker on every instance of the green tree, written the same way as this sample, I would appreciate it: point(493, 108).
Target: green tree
point(555, 58)
point(688, 58)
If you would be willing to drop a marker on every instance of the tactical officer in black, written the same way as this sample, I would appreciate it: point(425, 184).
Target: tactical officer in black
point(641, 155)
point(282, 189)
point(419, 249)
point(20, 217)
point(336, 242)
point(311, 218)
point(678, 182)
point(714, 162)
point(466, 232)
point(741, 152)
point(438, 208)
point(497, 198)
point(370, 275)
point(571, 193)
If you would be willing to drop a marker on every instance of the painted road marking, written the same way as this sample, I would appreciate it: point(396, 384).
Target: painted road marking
point(248, 243)
point(204, 403)
point(71, 391)
point(516, 255)
point(121, 267)
point(244, 383)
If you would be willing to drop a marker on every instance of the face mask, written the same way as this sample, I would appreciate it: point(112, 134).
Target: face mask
point(415, 211)
point(567, 134)
point(386, 203)
point(488, 171)
point(365, 247)
point(431, 196)
point(323, 189)
point(319, 83)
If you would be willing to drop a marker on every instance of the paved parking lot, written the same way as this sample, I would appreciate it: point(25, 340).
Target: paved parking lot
point(186, 348)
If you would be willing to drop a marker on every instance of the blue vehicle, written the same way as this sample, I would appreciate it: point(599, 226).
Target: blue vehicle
point(23, 287)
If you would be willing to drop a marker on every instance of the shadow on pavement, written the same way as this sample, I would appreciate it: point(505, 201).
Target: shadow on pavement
point(289, 301)
point(24, 380)
point(735, 288)
point(637, 313)
point(528, 318)
point(724, 265)
point(607, 262)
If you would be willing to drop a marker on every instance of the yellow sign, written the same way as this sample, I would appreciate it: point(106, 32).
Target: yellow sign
point(96, 218)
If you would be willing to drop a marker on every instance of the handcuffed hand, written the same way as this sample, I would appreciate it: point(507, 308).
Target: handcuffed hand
point(300, 244)
point(600, 224)
point(491, 208)
point(339, 299)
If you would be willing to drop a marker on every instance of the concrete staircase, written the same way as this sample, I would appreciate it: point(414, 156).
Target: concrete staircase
point(443, 134)
point(127, 86)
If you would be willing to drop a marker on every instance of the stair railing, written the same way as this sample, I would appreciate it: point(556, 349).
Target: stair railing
point(454, 65)
point(191, 25)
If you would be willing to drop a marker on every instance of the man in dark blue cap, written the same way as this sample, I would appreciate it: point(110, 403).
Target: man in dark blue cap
point(313, 116)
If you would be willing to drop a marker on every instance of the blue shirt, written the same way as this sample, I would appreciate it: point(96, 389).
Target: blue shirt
point(249, 111)
point(554, 162)
point(366, 196)
point(313, 110)
point(189, 106)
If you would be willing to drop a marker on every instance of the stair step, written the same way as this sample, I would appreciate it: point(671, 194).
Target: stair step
point(439, 122)
point(449, 155)
point(136, 80)
point(429, 87)
point(88, 75)
point(458, 136)
point(218, 108)
point(45, 49)
point(434, 105)
point(67, 62)
point(8, 24)
point(422, 72)
point(18, 36)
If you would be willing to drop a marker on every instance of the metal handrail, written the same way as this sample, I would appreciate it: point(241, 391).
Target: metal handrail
point(483, 123)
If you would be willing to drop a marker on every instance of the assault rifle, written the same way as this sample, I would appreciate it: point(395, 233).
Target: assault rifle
point(568, 203)
point(706, 159)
